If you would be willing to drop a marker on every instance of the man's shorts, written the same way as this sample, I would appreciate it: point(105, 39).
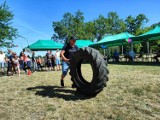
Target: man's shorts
point(65, 67)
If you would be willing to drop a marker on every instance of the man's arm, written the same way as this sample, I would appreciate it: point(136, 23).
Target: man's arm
point(63, 57)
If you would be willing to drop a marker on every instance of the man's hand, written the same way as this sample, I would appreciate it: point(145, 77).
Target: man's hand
point(67, 60)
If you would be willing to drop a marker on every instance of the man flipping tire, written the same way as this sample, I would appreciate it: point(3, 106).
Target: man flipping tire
point(67, 52)
point(72, 58)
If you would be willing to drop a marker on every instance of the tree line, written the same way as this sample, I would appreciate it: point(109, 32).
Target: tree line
point(75, 24)
point(111, 24)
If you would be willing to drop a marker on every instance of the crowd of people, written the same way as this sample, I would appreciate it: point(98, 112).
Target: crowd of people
point(130, 56)
point(11, 63)
point(15, 63)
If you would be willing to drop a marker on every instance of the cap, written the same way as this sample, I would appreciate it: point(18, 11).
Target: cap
point(73, 38)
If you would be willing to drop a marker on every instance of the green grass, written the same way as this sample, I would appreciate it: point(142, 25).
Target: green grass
point(133, 93)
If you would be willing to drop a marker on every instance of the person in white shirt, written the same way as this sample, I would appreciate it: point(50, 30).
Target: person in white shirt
point(57, 60)
point(2, 60)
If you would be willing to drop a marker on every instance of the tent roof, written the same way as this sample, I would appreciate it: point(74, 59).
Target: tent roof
point(114, 40)
point(45, 45)
point(41, 45)
point(117, 37)
point(83, 43)
point(154, 31)
point(153, 34)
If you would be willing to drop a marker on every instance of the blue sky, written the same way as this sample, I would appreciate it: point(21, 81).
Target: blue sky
point(33, 18)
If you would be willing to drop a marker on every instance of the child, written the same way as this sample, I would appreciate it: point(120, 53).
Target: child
point(16, 63)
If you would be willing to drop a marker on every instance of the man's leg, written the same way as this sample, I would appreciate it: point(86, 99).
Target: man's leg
point(62, 80)
point(65, 67)
point(8, 67)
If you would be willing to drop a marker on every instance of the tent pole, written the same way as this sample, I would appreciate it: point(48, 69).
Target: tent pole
point(122, 49)
point(132, 46)
point(148, 47)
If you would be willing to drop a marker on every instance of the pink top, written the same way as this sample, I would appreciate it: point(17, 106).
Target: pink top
point(25, 58)
point(16, 62)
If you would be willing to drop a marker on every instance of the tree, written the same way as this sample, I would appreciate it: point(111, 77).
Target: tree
point(100, 25)
point(89, 30)
point(135, 25)
point(110, 25)
point(64, 28)
point(7, 32)
point(70, 25)
point(79, 25)
point(115, 24)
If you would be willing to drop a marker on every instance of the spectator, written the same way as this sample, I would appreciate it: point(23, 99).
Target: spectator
point(57, 60)
point(126, 55)
point(9, 61)
point(48, 59)
point(2, 60)
point(16, 63)
point(39, 62)
point(131, 56)
point(53, 61)
point(34, 64)
point(27, 63)
point(21, 61)
point(116, 56)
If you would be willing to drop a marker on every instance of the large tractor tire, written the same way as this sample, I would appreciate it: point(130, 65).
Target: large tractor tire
point(99, 68)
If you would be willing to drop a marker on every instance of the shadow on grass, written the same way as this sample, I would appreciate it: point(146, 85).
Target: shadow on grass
point(59, 92)
point(137, 63)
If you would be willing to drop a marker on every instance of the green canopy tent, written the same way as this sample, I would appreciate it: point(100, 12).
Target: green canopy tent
point(115, 40)
point(151, 35)
point(83, 43)
point(42, 45)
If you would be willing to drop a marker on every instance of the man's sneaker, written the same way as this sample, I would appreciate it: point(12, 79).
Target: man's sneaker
point(62, 83)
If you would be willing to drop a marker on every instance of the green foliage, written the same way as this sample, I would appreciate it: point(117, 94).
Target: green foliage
point(137, 48)
point(73, 24)
point(70, 25)
point(7, 32)
point(135, 24)
point(115, 24)
point(155, 45)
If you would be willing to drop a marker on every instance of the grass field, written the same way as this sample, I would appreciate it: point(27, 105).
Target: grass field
point(133, 93)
